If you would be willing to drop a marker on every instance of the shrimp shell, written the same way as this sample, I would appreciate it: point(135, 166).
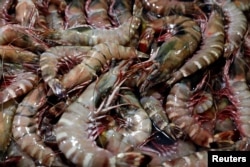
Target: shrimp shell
point(12, 54)
point(7, 112)
point(17, 36)
point(26, 13)
point(74, 14)
point(210, 51)
point(86, 35)
point(174, 51)
point(236, 29)
point(240, 95)
point(138, 125)
point(156, 112)
point(95, 59)
point(72, 136)
point(49, 63)
point(179, 113)
point(24, 128)
point(97, 13)
point(23, 83)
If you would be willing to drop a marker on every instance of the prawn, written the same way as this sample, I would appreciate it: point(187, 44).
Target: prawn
point(120, 11)
point(72, 136)
point(74, 14)
point(54, 18)
point(87, 35)
point(95, 60)
point(210, 52)
point(239, 93)
point(174, 51)
point(12, 54)
point(97, 13)
point(138, 126)
point(17, 36)
point(26, 13)
point(237, 27)
point(180, 114)
point(6, 117)
point(156, 112)
point(22, 84)
point(165, 7)
point(50, 60)
point(24, 128)
point(15, 151)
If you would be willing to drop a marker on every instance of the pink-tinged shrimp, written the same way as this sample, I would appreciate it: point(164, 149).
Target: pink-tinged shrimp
point(237, 27)
point(50, 61)
point(74, 14)
point(21, 85)
point(97, 13)
point(239, 94)
point(25, 128)
point(12, 54)
point(18, 36)
point(26, 13)
point(7, 113)
point(185, 38)
point(210, 51)
point(74, 141)
point(86, 35)
point(179, 112)
point(96, 58)
point(196, 159)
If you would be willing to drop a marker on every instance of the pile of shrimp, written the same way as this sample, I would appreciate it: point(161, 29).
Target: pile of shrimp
point(123, 82)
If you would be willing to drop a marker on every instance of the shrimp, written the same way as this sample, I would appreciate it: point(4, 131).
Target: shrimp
point(86, 35)
point(54, 18)
point(243, 5)
point(24, 128)
point(210, 52)
point(138, 125)
point(237, 27)
point(240, 93)
point(26, 13)
point(12, 54)
point(196, 159)
point(165, 7)
point(95, 59)
point(21, 85)
point(72, 136)
point(15, 151)
point(156, 112)
point(17, 36)
point(6, 117)
point(180, 114)
point(110, 81)
point(120, 11)
point(97, 13)
point(49, 63)
point(74, 14)
point(174, 51)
